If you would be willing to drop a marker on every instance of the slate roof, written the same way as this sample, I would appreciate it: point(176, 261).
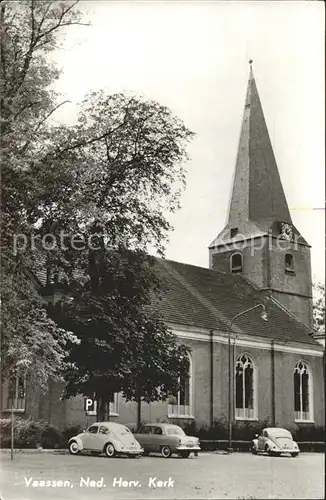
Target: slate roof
point(257, 190)
point(207, 298)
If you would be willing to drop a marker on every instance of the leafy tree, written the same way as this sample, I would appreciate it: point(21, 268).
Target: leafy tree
point(28, 33)
point(71, 196)
point(319, 307)
point(129, 349)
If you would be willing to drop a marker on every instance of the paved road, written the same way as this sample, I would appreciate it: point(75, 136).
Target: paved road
point(210, 476)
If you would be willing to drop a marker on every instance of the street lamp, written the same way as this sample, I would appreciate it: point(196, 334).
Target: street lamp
point(265, 318)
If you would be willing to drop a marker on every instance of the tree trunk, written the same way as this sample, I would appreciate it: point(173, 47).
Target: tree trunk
point(108, 410)
point(97, 409)
point(138, 411)
point(101, 410)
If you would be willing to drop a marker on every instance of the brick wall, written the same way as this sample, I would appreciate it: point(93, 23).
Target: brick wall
point(61, 414)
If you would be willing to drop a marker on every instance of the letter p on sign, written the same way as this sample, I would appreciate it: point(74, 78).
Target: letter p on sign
point(89, 404)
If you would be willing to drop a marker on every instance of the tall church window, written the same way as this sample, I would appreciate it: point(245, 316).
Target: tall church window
point(16, 397)
point(180, 404)
point(236, 263)
point(245, 393)
point(289, 263)
point(302, 392)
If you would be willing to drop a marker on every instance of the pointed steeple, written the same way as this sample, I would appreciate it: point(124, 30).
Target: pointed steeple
point(257, 193)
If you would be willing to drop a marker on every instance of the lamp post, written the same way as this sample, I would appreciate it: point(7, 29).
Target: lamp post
point(264, 317)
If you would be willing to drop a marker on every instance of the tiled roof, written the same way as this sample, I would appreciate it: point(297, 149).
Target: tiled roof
point(207, 298)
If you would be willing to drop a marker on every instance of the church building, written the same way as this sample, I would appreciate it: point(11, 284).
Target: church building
point(246, 319)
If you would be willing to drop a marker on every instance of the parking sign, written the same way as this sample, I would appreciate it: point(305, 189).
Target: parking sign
point(89, 404)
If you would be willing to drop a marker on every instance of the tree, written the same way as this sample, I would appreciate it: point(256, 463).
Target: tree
point(70, 194)
point(125, 345)
point(319, 307)
point(28, 32)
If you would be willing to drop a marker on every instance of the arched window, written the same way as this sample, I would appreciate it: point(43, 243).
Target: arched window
point(180, 405)
point(289, 263)
point(16, 397)
point(245, 393)
point(302, 392)
point(236, 263)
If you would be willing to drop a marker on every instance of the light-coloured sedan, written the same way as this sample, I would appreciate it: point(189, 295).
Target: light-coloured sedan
point(166, 439)
point(275, 441)
point(110, 438)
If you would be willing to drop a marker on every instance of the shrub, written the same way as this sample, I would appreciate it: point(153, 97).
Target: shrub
point(242, 431)
point(51, 438)
point(246, 430)
point(309, 433)
point(32, 434)
point(69, 432)
point(27, 433)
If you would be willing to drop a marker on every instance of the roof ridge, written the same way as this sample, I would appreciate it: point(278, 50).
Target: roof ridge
point(192, 265)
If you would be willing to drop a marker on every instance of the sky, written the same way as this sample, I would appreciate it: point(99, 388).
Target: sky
point(193, 57)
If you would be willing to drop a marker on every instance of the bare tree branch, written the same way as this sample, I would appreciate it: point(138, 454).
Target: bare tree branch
point(36, 36)
point(27, 143)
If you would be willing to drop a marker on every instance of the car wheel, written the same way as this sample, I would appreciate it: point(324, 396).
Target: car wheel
point(73, 448)
point(184, 454)
point(166, 451)
point(254, 450)
point(109, 450)
point(267, 450)
point(295, 454)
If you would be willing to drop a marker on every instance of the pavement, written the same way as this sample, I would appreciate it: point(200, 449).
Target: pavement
point(59, 476)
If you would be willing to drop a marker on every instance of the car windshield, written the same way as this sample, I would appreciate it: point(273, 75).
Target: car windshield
point(175, 431)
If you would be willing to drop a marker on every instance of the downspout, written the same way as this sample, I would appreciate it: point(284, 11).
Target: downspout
point(324, 368)
point(211, 406)
point(273, 382)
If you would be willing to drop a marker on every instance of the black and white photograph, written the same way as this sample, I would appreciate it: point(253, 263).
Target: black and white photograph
point(162, 249)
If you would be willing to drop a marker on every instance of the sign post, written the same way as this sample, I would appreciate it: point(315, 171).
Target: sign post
point(12, 429)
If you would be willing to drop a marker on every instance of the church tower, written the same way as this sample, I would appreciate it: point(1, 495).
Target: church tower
point(259, 239)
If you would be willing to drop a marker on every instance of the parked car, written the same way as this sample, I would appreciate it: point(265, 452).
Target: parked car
point(110, 438)
point(166, 439)
point(275, 441)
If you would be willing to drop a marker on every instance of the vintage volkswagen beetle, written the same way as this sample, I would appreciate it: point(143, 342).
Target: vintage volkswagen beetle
point(110, 438)
point(275, 441)
point(166, 439)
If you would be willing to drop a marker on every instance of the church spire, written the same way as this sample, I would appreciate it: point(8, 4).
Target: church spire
point(257, 193)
